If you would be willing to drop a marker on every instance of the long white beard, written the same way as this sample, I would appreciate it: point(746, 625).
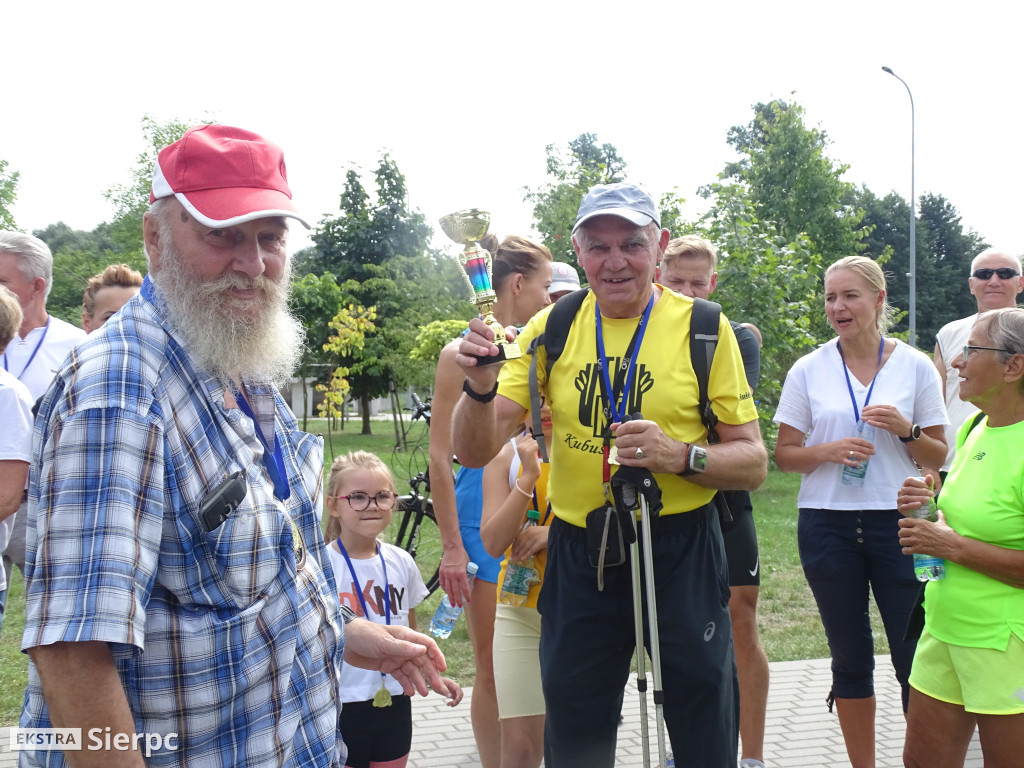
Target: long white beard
point(261, 348)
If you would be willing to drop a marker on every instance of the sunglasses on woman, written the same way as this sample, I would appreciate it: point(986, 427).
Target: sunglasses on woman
point(1004, 273)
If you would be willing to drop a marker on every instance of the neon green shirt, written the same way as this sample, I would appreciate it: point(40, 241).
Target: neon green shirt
point(983, 499)
point(664, 390)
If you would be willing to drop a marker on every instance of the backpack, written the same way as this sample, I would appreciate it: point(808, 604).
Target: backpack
point(703, 342)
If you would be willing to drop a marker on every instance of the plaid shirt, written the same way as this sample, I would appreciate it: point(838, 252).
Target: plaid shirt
point(230, 639)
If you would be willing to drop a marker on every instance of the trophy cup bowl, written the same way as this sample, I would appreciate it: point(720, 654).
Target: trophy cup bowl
point(467, 227)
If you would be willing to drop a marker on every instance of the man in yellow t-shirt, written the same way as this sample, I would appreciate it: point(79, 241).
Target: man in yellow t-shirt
point(627, 351)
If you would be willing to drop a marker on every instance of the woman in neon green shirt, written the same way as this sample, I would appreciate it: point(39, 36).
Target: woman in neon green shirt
point(969, 666)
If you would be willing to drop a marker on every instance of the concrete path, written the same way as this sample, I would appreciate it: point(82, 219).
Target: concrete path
point(800, 731)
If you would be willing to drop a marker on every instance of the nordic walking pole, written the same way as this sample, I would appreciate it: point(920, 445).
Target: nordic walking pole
point(629, 499)
point(652, 620)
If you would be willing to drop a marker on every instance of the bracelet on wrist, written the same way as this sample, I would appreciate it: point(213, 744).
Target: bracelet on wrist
point(518, 488)
point(486, 398)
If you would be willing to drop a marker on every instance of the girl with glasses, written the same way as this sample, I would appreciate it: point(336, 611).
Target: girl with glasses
point(381, 583)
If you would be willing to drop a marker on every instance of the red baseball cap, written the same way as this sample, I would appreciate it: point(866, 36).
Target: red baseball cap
point(224, 176)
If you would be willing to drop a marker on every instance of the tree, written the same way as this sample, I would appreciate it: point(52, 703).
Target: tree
point(944, 255)
point(350, 326)
point(556, 203)
point(377, 249)
point(77, 256)
point(793, 183)
point(943, 258)
point(316, 301)
point(767, 280)
point(433, 337)
point(131, 200)
point(8, 194)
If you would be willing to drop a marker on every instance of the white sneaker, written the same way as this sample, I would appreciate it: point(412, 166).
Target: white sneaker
point(749, 762)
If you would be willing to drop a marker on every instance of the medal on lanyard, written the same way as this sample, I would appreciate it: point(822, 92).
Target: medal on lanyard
point(616, 404)
point(383, 697)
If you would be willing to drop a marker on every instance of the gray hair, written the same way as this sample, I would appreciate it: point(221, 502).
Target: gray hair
point(1005, 327)
point(34, 255)
point(160, 210)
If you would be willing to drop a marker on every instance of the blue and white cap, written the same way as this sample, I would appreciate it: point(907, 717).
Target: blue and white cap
point(624, 200)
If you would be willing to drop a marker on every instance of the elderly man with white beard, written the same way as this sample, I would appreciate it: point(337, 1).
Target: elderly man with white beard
point(180, 608)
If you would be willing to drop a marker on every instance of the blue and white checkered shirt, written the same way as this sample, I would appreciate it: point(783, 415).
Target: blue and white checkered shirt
point(230, 639)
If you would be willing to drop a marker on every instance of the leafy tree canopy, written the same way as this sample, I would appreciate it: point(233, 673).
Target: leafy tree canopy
point(131, 199)
point(377, 248)
point(792, 182)
point(555, 204)
point(943, 258)
point(767, 280)
point(8, 194)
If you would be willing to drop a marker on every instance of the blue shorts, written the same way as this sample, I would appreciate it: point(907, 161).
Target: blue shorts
point(469, 501)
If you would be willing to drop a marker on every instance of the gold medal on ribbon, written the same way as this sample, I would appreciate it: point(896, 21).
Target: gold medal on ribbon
point(383, 697)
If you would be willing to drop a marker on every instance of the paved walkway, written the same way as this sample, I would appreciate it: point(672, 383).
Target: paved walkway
point(800, 731)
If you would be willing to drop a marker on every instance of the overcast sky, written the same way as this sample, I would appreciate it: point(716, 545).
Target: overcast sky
point(465, 95)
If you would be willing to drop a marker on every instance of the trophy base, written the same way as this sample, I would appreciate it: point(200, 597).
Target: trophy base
point(505, 352)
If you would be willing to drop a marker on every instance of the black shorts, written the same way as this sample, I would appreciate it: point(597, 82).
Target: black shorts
point(740, 538)
point(376, 734)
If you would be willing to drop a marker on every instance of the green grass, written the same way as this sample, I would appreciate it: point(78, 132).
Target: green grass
point(788, 617)
point(13, 663)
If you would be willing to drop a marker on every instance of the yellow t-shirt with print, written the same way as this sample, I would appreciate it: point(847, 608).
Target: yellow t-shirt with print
point(664, 390)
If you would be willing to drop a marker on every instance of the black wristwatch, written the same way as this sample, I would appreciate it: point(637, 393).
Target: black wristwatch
point(915, 434)
point(696, 461)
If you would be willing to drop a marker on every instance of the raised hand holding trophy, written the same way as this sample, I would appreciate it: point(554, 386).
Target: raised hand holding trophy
point(467, 227)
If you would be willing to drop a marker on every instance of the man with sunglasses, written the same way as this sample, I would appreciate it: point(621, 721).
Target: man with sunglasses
point(995, 281)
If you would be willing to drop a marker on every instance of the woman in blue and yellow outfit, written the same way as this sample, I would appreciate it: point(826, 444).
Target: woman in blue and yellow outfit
point(515, 481)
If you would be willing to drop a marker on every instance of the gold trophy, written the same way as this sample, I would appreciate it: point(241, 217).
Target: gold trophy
point(467, 227)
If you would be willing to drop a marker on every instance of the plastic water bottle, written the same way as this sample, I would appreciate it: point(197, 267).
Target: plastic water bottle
point(520, 575)
point(927, 567)
point(854, 476)
point(443, 621)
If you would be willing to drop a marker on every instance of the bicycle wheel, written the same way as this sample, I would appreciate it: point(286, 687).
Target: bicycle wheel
point(414, 528)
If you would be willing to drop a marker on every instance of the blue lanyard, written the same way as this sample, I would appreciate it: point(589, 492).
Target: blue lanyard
point(273, 460)
point(536, 505)
point(849, 385)
point(615, 406)
point(359, 587)
point(33, 355)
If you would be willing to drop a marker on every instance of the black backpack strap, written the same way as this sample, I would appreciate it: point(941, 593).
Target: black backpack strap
point(556, 331)
point(703, 341)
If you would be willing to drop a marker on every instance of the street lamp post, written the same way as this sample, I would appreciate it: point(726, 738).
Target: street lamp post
point(913, 218)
